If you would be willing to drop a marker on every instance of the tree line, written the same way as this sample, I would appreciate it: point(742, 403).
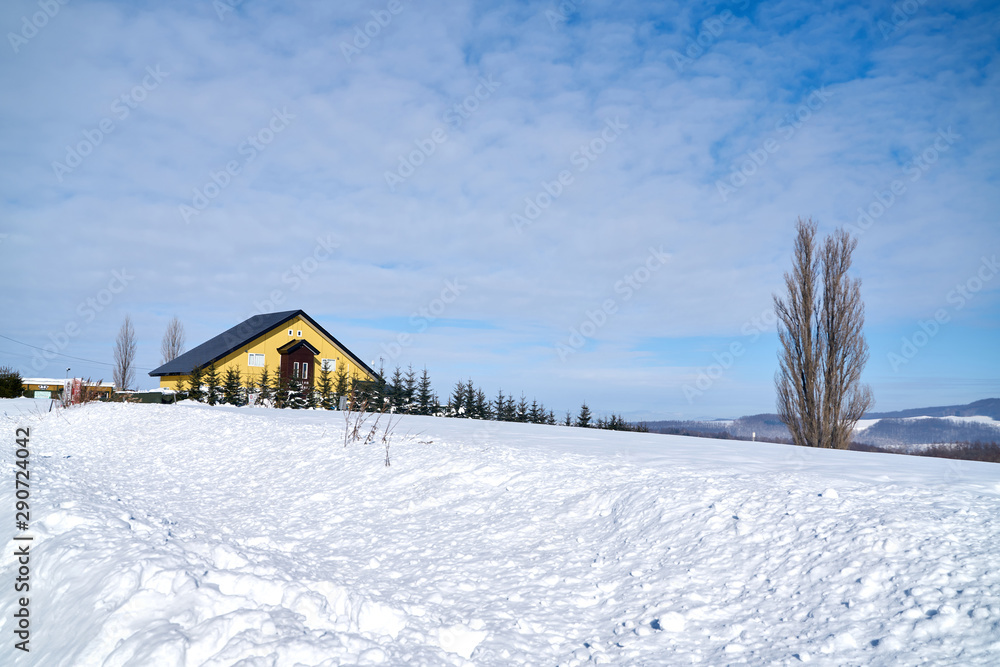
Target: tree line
point(403, 393)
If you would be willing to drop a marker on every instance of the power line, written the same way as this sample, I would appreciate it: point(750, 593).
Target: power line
point(69, 356)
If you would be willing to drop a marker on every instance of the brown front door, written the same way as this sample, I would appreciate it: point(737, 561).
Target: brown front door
point(300, 360)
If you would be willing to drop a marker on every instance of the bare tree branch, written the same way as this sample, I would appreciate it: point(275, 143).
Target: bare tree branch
point(125, 348)
point(173, 341)
point(823, 349)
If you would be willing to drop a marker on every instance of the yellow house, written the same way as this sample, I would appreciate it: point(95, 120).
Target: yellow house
point(288, 343)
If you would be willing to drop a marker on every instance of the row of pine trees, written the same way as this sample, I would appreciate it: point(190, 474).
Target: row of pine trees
point(403, 393)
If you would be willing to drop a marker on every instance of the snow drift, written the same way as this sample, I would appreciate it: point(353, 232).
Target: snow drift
point(189, 535)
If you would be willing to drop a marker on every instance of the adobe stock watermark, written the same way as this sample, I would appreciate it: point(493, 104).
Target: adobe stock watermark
point(787, 126)
point(630, 284)
point(726, 359)
point(425, 316)
point(453, 118)
point(956, 471)
point(560, 15)
point(295, 277)
point(364, 34)
point(121, 108)
point(37, 21)
point(928, 329)
point(249, 148)
point(710, 31)
point(581, 158)
point(914, 169)
point(902, 12)
point(87, 310)
point(223, 7)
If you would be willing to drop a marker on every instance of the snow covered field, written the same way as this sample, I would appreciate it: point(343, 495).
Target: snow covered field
point(189, 535)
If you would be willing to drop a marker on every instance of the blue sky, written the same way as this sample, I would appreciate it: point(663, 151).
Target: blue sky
point(578, 201)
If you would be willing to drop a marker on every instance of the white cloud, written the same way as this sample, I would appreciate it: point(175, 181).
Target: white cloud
point(655, 185)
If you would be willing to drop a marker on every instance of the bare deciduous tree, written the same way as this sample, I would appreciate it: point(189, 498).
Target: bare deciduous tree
point(823, 348)
point(125, 346)
point(173, 341)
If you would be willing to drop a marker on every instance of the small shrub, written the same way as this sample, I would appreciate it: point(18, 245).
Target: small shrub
point(10, 383)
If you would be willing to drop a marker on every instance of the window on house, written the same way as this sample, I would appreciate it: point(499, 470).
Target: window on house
point(255, 359)
point(305, 371)
point(299, 333)
point(329, 365)
point(289, 332)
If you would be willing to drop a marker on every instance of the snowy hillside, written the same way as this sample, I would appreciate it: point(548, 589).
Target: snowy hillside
point(914, 433)
point(906, 430)
point(190, 535)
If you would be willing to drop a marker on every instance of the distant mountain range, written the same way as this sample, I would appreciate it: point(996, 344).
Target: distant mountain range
point(988, 407)
point(975, 422)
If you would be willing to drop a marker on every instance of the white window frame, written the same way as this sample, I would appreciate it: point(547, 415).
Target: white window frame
point(254, 356)
point(290, 332)
point(295, 369)
point(329, 364)
point(298, 333)
point(305, 371)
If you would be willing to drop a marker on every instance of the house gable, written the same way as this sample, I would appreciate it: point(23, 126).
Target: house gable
point(262, 337)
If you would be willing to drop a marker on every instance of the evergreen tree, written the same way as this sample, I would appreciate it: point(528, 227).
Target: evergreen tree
point(11, 385)
point(281, 387)
point(264, 393)
point(379, 389)
point(396, 395)
point(194, 391)
point(232, 387)
point(509, 409)
point(482, 408)
point(297, 390)
point(342, 385)
point(498, 406)
point(409, 390)
point(325, 388)
point(248, 389)
point(356, 394)
point(569, 419)
point(583, 419)
point(310, 394)
point(213, 391)
point(521, 411)
point(618, 423)
point(425, 397)
point(183, 388)
point(470, 401)
point(551, 420)
point(456, 404)
point(535, 414)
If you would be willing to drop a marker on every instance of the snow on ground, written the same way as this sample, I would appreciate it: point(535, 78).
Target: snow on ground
point(17, 407)
point(981, 419)
point(189, 535)
point(864, 424)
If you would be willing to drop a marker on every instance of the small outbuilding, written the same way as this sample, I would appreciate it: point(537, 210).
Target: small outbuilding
point(56, 387)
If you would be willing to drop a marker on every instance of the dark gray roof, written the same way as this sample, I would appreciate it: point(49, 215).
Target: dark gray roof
point(238, 336)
